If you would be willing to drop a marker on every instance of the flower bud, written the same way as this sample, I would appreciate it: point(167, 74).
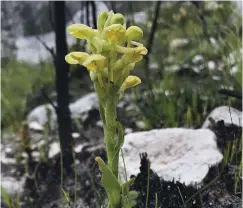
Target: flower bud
point(115, 32)
point(108, 21)
point(76, 57)
point(117, 19)
point(101, 20)
point(94, 62)
point(130, 81)
point(81, 31)
point(92, 75)
point(134, 33)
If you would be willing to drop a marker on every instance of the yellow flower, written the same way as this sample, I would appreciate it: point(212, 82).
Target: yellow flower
point(94, 62)
point(138, 50)
point(134, 33)
point(132, 55)
point(115, 32)
point(76, 57)
point(131, 58)
point(81, 31)
point(130, 81)
point(141, 50)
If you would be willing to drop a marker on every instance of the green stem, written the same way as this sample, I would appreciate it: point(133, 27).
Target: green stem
point(110, 134)
point(113, 134)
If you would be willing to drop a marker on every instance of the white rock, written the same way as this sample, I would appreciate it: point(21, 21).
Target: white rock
point(54, 149)
point(77, 108)
point(128, 130)
point(182, 154)
point(12, 186)
point(75, 135)
point(84, 104)
point(39, 114)
point(79, 147)
point(4, 159)
point(38, 144)
point(227, 114)
point(36, 154)
point(8, 150)
point(35, 126)
point(99, 123)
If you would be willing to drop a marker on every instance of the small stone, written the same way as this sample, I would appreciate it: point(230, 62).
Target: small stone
point(228, 114)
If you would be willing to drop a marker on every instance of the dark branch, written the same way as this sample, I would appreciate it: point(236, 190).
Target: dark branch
point(51, 14)
point(93, 7)
point(47, 48)
point(231, 93)
point(154, 27)
point(150, 42)
point(87, 12)
point(49, 100)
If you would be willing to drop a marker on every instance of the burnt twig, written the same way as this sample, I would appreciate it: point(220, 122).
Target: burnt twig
point(47, 48)
point(150, 42)
point(49, 100)
point(93, 7)
point(231, 93)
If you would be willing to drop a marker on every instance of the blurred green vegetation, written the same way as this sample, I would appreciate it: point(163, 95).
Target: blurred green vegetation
point(196, 52)
point(21, 89)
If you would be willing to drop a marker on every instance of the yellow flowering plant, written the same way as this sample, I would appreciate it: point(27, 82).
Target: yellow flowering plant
point(113, 55)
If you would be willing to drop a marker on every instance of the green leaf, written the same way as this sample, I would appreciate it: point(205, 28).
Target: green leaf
point(66, 195)
point(110, 183)
point(128, 197)
point(126, 185)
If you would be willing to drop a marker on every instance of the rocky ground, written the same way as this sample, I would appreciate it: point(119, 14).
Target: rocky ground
point(193, 157)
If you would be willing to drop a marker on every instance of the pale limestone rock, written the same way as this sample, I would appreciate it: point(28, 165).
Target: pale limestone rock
point(179, 153)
